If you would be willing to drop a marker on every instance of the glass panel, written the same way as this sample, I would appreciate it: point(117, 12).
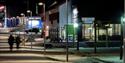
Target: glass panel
point(88, 32)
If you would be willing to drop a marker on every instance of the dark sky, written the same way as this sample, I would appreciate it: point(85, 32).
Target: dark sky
point(101, 9)
point(15, 7)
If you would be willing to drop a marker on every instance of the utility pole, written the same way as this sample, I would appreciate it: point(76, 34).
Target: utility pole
point(44, 12)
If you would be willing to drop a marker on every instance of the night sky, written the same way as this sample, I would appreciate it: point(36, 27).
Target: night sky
point(101, 9)
point(15, 7)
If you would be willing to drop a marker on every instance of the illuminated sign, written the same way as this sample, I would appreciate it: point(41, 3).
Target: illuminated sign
point(34, 18)
point(88, 19)
point(34, 22)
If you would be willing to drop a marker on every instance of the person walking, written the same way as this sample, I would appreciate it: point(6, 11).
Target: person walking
point(11, 41)
point(18, 41)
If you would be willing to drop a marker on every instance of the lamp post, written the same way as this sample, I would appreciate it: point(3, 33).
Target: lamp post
point(44, 15)
point(29, 11)
point(44, 26)
point(23, 23)
point(37, 7)
point(67, 49)
point(122, 48)
point(23, 17)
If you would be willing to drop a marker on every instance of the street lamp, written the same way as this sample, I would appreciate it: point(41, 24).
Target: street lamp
point(29, 11)
point(23, 18)
point(22, 14)
point(40, 3)
point(44, 14)
point(23, 22)
point(37, 6)
point(122, 39)
point(67, 49)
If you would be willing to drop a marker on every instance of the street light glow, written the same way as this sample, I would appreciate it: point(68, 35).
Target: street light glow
point(22, 14)
point(28, 11)
point(40, 3)
point(2, 7)
point(75, 25)
point(75, 11)
point(123, 19)
point(47, 27)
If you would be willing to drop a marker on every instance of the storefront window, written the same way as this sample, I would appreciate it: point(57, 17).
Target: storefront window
point(87, 32)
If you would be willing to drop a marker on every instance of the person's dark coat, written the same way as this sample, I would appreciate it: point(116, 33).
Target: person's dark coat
point(11, 41)
point(18, 41)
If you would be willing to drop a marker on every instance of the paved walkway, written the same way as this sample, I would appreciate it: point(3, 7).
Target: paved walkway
point(40, 58)
point(26, 58)
point(49, 58)
point(57, 55)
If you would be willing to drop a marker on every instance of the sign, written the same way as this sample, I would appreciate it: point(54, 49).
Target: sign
point(34, 22)
point(88, 20)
